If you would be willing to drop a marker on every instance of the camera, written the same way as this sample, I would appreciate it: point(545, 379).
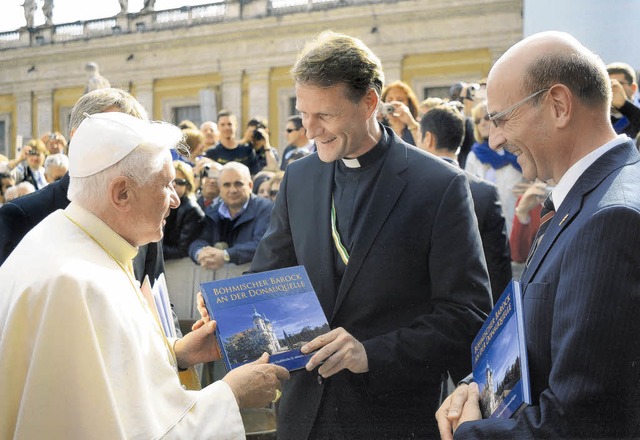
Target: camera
point(33, 152)
point(257, 136)
point(205, 171)
point(387, 109)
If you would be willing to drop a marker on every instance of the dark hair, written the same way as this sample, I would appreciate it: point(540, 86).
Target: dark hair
point(624, 69)
point(333, 59)
point(297, 121)
point(225, 113)
point(446, 124)
point(259, 180)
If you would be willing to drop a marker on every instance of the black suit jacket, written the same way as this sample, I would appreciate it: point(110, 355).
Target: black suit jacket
point(415, 292)
point(20, 215)
point(581, 296)
point(493, 231)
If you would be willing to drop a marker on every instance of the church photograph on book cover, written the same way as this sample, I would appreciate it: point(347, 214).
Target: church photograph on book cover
point(275, 326)
point(499, 358)
point(500, 374)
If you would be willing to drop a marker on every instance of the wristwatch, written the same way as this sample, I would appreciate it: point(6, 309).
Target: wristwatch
point(225, 255)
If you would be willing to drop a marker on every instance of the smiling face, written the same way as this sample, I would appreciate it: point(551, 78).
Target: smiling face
point(339, 127)
point(524, 131)
point(227, 126)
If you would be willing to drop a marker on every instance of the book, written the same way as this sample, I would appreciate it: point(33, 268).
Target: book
point(275, 311)
point(499, 358)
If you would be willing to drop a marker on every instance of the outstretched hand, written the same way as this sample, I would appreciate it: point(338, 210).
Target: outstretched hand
point(255, 384)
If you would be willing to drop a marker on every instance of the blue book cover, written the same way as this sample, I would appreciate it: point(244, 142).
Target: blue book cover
point(499, 355)
point(275, 311)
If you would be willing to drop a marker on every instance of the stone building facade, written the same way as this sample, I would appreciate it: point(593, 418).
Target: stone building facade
point(236, 54)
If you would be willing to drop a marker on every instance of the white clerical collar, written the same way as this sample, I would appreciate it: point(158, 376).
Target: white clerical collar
point(351, 163)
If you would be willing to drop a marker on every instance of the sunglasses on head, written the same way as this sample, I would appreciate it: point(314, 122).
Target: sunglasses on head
point(181, 182)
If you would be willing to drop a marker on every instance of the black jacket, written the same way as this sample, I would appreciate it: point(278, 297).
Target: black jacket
point(183, 226)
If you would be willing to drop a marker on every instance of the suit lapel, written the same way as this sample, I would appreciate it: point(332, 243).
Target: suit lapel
point(618, 156)
point(384, 197)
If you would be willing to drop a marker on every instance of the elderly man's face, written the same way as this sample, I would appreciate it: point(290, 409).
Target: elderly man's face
point(153, 202)
point(235, 189)
point(336, 124)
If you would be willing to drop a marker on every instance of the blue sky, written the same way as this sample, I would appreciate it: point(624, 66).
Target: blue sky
point(68, 11)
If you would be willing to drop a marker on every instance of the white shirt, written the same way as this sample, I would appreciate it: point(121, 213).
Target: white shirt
point(572, 175)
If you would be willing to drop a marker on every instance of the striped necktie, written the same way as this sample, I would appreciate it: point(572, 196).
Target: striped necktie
point(546, 214)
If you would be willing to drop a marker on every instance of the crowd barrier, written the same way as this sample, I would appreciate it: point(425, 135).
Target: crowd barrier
point(183, 281)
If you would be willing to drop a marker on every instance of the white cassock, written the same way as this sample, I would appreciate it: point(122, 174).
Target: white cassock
point(81, 355)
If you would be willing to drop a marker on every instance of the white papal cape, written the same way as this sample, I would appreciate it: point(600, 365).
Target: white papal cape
point(81, 355)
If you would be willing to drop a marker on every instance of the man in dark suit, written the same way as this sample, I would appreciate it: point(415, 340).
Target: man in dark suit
point(442, 130)
point(550, 98)
point(391, 244)
point(19, 216)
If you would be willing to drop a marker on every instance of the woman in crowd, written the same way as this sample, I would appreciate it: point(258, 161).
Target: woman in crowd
point(499, 167)
point(274, 185)
point(31, 164)
point(261, 183)
point(402, 113)
point(185, 222)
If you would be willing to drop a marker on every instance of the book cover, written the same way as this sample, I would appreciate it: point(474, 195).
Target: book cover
point(275, 311)
point(500, 358)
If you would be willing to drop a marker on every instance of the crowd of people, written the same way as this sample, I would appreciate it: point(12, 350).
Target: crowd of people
point(410, 218)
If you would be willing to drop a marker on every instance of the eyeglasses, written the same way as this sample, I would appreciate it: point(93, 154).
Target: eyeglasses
point(289, 130)
point(181, 182)
point(273, 192)
point(496, 117)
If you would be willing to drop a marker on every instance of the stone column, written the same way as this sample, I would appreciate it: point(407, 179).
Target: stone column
point(232, 92)
point(259, 93)
point(24, 123)
point(144, 94)
point(45, 112)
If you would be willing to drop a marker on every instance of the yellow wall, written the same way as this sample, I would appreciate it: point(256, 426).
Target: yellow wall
point(471, 65)
point(64, 98)
point(279, 78)
point(8, 105)
point(180, 87)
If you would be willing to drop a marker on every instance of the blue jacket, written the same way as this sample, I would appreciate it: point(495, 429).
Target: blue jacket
point(247, 231)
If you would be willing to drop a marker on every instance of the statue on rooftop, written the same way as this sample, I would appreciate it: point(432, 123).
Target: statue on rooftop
point(95, 81)
point(30, 7)
point(47, 10)
point(124, 6)
point(149, 6)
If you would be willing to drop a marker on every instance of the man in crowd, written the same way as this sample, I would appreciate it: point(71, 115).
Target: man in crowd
point(55, 167)
point(235, 224)
point(82, 325)
point(207, 173)
point(442, 130)
point(211, 134)
point(625, 112)
point(390, 242)
point(296, 139)
point(550, 99)
point(228, 149)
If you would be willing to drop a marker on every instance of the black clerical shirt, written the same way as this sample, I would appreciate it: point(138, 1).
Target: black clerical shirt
point(352, 188)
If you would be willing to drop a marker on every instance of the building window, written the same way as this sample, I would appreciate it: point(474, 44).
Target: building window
point(189, 112)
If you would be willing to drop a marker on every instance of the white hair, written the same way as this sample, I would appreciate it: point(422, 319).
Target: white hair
point(56, 160)
point(141, 165)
